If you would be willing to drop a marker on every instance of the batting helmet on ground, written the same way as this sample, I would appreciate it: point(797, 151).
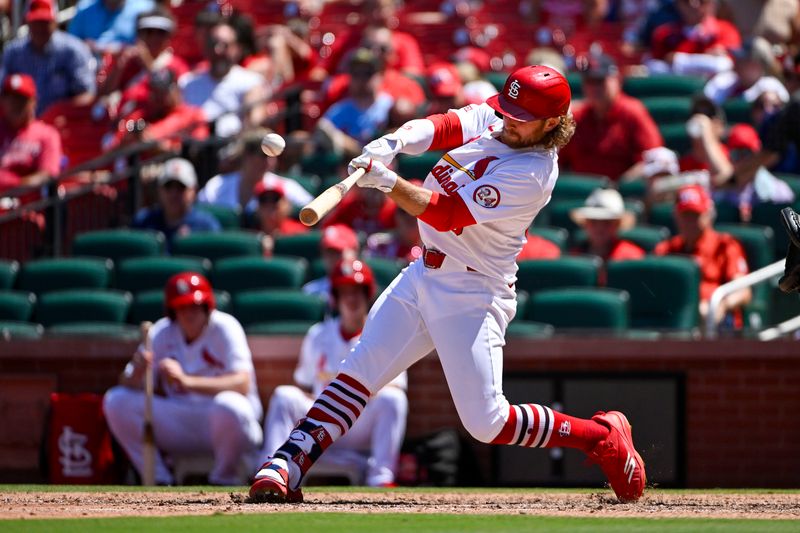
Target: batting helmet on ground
point(533, 93)
point(353, 272)
point(187, 288)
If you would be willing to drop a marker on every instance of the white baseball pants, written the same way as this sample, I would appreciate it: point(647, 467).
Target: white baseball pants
point(224, 425)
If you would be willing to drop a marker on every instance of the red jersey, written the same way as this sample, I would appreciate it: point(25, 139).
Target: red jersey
point(352, 212)
point(711, 35)
point(397, 85)
point(720, 257)
point(183, 120)
point(290, 226)
point(622, 250)
point(612, 144)
point(407, 55)
point(33, 148)
point(538, 248)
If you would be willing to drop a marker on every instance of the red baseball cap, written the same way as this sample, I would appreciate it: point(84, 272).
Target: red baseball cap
point(40, 10)
point(443, 79)
point(269, 184)
point(20, 84)
point(743, 137)
point(339, 237)
point(693, 198)
point(533, 93)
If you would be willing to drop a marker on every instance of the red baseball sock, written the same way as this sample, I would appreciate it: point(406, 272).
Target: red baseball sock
point(538, 426)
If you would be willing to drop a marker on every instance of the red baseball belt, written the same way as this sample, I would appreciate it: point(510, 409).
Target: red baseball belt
point(434, 259)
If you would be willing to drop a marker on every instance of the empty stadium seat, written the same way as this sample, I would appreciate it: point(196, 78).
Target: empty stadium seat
point(662, 85)
point(237, 274)
point(322, 164)
point(277, 306)
point(149, 305)
point(668, 109)
point(646, 236)
point(676, 137)
point(569, 271)
point(305, 245)
point(8, 274)
point(145, 273)
point(16, 305)
point(127, 332)
point(558, 236)
point(633, 188)
point(580, 308)
point(737, 110)
point(385, 270)
point(219, 245)
point(68, 306)
point(572, 185)
point(47, 275)
point(768, 214)
point(228, 217)
point(417, 166)
point(20, 330)
point(119, 244)
point(664, 291)
point(529, 329)
point(285, 327)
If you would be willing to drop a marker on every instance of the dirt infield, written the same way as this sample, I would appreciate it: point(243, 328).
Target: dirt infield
point(655, 504)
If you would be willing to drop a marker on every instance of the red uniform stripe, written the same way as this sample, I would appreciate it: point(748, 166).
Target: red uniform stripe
point(353, 384)
point(447, 133)
point(507, 433)
point(315, 413)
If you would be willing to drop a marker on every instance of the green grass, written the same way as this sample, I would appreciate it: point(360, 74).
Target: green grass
point(418, 523)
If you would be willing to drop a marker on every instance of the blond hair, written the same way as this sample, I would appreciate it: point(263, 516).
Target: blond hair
point(559, 136)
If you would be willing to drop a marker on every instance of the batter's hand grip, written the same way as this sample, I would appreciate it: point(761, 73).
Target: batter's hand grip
point(330, 198)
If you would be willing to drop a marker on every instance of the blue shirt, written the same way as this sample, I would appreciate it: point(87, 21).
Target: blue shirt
point(194, 221)
point(65, 68)
point(95, 22)
point(361, 124)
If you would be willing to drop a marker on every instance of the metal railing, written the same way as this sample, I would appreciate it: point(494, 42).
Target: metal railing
point(723, 291)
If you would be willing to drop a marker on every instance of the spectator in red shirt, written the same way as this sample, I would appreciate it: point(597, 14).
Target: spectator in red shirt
point(402, 243)
point(164, 117)
point(612, 129)
point(537, 247)
point(30, 150)
point(720, 257)
point(365, 211)
point(602, 217)
point(273, 213)
point(698, 44)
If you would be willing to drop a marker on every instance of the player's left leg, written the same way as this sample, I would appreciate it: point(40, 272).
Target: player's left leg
point(470, 339)
point(235, 434)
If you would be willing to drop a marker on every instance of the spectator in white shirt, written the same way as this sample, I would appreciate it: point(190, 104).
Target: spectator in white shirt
point(754, 73)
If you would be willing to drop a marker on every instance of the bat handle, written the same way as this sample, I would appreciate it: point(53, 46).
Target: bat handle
point(330, 198)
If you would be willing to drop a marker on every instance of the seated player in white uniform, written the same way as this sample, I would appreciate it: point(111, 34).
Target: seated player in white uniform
point(498, 171)
point(373, 444)
point(206, 398)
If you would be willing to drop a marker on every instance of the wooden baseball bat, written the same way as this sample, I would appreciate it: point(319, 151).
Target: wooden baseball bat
point(330, 198)
point(148, 438)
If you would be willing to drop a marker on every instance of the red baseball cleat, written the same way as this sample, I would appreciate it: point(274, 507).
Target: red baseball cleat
point(271, 485)
point(619, 460)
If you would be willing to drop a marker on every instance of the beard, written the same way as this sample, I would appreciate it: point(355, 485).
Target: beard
point(516, 141)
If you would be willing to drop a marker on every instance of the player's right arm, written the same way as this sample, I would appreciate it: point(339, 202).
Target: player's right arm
point(435, 132)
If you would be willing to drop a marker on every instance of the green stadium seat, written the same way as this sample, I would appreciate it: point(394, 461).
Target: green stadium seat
point(498, 79)
point(575, 84)
point(285, 327)
point(664, 291)
point(20, 330)
point(529, 330)
point(68, 306)
point(417, 166)
point(662, 85)
point(16, 305)
point(310, 183)
point(277, 306)
point(759, 248)
point(578, 186)
point(769, 215)
point(558, 236)
point(127, 332)
point(633, 189)
point(568, 271)
point(238, 274)
point(668, 109)
point(322, 164)
point(149, 305)
point(8, 274)
point(645, 236)
point(580, 308)
point(385, 270)
point(46, 275)
point(119, 244)
point(220, 245)
point(145, 273)
point(676, 137)
point(305, 245)
point(737, 111)
point(228, 217)
point(316, 270)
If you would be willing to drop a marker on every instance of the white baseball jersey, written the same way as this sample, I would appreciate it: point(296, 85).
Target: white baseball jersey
point(324, 348)
point(504, 189)
point(221, 349)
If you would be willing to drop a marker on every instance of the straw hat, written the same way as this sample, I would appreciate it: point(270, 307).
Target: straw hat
point(604, 204)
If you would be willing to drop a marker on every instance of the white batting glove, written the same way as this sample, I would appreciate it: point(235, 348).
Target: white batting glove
point(383, 149)
point(377, 176)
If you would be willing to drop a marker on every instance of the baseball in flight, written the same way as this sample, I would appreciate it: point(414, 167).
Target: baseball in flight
point(273, 144)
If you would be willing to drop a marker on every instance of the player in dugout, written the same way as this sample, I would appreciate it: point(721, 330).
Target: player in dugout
point(498, 171)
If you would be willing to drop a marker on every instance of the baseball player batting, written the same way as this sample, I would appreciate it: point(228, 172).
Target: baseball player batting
point(498, 172)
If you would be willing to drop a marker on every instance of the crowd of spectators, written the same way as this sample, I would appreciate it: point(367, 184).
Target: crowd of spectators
point(332, 75)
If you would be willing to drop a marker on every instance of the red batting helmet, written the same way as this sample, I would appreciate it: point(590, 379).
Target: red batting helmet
point(355, 273)
point(187, 288)
point(533, 93)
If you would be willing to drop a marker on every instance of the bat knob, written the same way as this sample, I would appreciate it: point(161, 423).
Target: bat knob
point(308, 216)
